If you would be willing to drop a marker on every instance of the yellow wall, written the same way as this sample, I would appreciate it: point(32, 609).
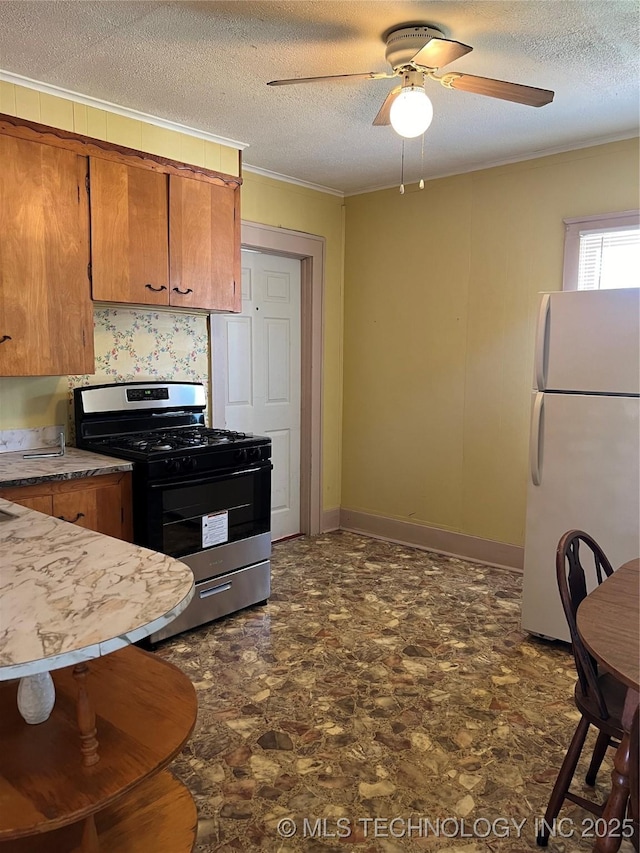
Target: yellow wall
point(441, 292)
point(40, 401)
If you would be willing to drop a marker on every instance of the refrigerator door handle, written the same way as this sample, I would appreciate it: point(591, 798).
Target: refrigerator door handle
point(535, 451)
point(542, 338)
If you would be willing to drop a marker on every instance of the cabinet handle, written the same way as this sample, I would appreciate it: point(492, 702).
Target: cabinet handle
point(79, 515)
point(182, 292)
point(5, 338)
point(156, 289)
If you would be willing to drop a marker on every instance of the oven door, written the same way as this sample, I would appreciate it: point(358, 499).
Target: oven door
point(192, 514)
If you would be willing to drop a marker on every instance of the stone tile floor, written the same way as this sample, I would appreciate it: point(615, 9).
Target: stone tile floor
point(384, 700)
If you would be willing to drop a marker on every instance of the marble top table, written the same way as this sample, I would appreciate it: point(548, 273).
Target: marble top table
point(69, 595)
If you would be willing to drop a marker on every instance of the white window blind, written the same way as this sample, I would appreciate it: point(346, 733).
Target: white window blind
point(602, 252)
point(609, 259)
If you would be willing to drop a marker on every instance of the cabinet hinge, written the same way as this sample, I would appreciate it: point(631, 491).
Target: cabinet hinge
point(89, 272)
point(86, 182)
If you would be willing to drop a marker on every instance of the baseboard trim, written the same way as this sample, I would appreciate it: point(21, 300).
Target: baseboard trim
point(498, 554)
point(331, 519)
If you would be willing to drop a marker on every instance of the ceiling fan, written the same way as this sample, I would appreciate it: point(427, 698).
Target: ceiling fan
point(415, 53)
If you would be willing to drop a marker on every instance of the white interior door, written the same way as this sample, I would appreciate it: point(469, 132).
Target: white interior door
point(256, 355)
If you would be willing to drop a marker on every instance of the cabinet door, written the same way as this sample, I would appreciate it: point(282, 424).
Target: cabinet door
point(204, 239)
point(129, 234)
point(41, 503)
point(98, 509)
point(101, 503)
point(46, 320)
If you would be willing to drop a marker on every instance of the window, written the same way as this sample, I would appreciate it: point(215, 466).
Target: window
point(601, 252)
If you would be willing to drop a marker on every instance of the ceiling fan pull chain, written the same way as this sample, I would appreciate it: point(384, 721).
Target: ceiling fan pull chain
point(402, 171)
point(421, 184)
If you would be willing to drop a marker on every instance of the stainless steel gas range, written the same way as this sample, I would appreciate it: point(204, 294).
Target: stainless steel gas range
point(200, 495)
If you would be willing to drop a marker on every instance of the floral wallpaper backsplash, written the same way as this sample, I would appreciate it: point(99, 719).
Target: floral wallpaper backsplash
point(136, 345)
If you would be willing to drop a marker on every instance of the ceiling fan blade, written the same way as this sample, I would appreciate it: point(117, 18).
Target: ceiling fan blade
point(440, 52)
point(383, 113)
point(528, 95)
point(369, 75)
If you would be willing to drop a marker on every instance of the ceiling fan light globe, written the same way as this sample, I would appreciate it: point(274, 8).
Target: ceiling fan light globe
point(411, 112)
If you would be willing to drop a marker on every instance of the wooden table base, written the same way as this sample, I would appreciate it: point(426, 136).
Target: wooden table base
point(145, 709)
point(159, 816)
point(615, 809)
point(86, 718)
point(90, 843)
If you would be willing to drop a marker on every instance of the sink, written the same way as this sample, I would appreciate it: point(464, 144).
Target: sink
point(7, 516)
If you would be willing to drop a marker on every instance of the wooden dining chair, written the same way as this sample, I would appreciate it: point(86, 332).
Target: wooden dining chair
point(599, 698)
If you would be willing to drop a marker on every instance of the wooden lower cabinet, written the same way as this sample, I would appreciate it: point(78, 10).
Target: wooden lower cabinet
point(101, 503)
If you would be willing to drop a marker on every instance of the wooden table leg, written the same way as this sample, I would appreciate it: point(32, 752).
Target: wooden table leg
point(86, 718)
point(616, 805)
point(90, 843)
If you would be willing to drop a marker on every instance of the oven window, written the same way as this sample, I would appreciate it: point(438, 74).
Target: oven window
point(246, 499)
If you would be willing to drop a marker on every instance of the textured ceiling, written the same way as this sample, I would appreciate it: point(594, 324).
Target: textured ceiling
point(206, 65)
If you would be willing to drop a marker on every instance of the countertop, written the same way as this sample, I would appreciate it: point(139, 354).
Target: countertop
point(15, 470)
point(68, 594)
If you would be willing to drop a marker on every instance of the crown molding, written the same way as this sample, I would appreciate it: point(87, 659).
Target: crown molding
point(276, 176)
point(107, 106)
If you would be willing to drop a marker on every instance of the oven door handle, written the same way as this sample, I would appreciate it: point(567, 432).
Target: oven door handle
point(211, 478)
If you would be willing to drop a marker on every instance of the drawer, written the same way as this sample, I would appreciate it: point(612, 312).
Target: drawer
point(220, 596)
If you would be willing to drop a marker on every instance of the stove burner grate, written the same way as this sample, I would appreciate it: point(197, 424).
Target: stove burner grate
point(178, 439)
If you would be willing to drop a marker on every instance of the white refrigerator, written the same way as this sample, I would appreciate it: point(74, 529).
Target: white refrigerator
point(584, 465)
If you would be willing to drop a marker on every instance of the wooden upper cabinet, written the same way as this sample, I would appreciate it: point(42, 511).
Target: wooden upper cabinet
point(129, 234)
point(46, 318)
point(163, 239)
point(204, 245)
point(150, 231)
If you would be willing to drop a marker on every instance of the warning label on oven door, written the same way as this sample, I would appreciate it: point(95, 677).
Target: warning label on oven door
point(215, 529)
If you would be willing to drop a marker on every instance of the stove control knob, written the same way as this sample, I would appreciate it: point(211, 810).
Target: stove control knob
point(242, 454)
point(172, 465)
point(254, 453)
point(188, 463)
